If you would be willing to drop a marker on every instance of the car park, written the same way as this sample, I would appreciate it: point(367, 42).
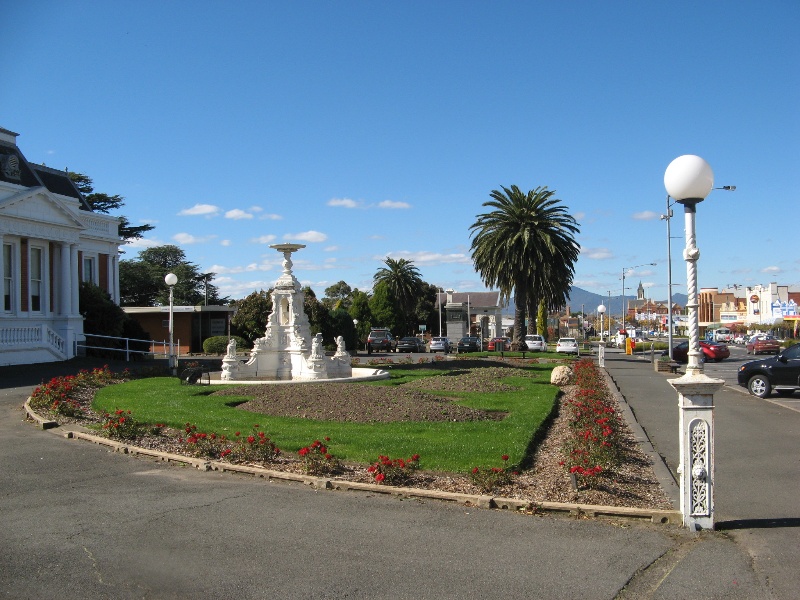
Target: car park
point(567, 346)
point(381, 339)
point(780, 373)
point(440, 344)
point(535, 343)
point(712, 351)
point(410, 344)
point(499, 344)
point(469, 344)
point(762, 345)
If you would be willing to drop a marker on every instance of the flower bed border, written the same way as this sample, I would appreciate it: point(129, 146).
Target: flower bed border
point(656, 516)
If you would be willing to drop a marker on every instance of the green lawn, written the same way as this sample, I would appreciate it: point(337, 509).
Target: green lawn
point(452, 447)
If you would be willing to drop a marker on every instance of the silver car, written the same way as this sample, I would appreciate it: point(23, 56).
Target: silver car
point(535, 343)
point(440, 344)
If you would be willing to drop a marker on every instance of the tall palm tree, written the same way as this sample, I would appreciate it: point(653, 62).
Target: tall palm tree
point(403, 281)
point(525, 248)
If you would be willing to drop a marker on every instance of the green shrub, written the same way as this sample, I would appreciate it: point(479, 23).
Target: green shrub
point(218, 344)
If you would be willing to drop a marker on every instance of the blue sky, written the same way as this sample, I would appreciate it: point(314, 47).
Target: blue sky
point(374, 129)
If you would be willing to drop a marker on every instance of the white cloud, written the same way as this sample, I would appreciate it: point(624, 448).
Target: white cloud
point(306, 236)
point(225, 243)
point(144, 243)
point(263, 239)
point(188, 238)
point(331, 248)
point(771, 270)
point(344, 202)
point(255, 209)
point(596, 253)
point(393, 204)
point(647, 215)
point(430, 258)
point(200, 209)
point(238, 213)
point(271, 217)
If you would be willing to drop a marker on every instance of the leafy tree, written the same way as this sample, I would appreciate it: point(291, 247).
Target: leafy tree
point(384, 310)
point(142, 279)
point(339, 295)
point(138, 285)
point(252, 314)
point(102, 316)
point(104, 203)
point(318, 315)
point(541, 320)
point(525, 247)
point(403, 283)
point(341, 323)
point(425, 311)
point(360, 311)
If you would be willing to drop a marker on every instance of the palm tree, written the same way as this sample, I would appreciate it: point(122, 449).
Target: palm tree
point(403, 281)
point(525, 248)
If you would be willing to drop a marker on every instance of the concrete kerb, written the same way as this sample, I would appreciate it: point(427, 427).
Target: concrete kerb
point(662, 517)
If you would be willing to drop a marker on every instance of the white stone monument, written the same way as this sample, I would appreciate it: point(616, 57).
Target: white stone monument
point(287, 351)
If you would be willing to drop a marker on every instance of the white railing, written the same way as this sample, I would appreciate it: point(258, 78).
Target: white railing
point(126, 343)
point(31, 336)
point(55, 341)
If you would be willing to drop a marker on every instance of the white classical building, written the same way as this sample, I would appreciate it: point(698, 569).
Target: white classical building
point(51, 241)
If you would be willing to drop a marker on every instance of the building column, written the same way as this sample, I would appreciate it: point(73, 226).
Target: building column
point(65, 289)
point(74, 282)
point(115, 277)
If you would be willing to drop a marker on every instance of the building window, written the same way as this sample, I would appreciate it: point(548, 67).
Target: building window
point(8, 277)
point(36, 279)
point(88, 269)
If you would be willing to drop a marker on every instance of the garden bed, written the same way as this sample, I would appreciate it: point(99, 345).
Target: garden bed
point(631, 484)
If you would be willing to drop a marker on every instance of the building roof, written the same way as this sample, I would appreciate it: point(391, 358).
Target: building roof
point(15, 168)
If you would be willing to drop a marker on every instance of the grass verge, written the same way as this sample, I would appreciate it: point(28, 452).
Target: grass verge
point(443, 446)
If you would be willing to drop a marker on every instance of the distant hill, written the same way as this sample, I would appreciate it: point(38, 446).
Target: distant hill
point(590, 301)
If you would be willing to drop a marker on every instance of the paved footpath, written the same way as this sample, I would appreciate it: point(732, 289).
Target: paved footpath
point(77, 520)
point(757, 445)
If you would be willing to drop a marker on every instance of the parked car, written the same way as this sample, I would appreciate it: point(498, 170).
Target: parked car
point(763, 345)
point(499, 344)
point(440, 344)
point(535, 343)
point(411, 344)
point(739, 339)
point(780, 373)
point(381, 339)
point(469, 344)
point(711, 351)
point(567, 346)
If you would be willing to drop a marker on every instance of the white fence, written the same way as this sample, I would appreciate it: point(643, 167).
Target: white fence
point(153, 346)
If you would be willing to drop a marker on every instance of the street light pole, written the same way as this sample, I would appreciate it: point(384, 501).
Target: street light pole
point(689, 179)
point(624, 301)
point(171, 279)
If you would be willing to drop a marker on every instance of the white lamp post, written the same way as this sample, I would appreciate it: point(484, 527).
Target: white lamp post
point(171, 279)
point(689, 179)
point(601, 353)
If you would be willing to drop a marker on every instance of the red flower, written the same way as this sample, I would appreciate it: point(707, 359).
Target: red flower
point(250, 439)
point(504, 457)
point(475, 469)
point(380, 477)
point(303, 451)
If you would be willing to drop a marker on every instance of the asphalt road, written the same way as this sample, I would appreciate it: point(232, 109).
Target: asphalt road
point(80, 521)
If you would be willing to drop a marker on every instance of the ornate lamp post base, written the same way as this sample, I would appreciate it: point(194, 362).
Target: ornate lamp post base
point(696, 468)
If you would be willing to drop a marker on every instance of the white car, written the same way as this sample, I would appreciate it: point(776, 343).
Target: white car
point(567, 346)
point(535, 343)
